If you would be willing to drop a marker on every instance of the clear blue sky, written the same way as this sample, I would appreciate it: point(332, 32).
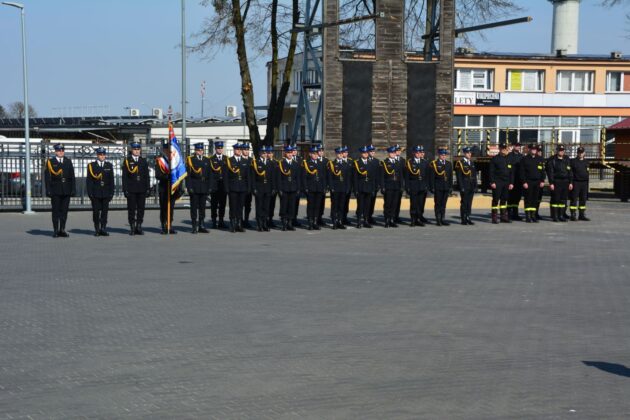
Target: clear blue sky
point(124, 53)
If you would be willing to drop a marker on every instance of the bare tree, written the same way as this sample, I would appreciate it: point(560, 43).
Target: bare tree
point(3, 113)
point(16, 110)
point(254, 25)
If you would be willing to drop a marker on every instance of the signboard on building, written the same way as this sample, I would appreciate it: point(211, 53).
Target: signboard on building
point(478, 98)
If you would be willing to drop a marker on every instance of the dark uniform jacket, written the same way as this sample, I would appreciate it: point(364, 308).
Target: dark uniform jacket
point(263, 175)
point(559, 169)
point(339, 176)
point(515, 160)
point(200, 177)
point(366, 175)
point(59, 177)
point(314, 175)
point(218, 168)
point(501, 169)
point(532, 169)
point(579, 168)
point(466, 173)
point(392, 174)
point(100, 180)
point(441, 175)
point(288, 176)
point(237, 175)
point(135, 175)
point(417, 175)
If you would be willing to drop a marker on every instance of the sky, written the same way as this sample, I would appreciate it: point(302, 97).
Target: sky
point(125, 53)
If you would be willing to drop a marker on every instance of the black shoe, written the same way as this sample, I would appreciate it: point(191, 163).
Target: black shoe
point(103, 232)
point(470, 222)
point(444, 222)
point(284, 225)
point(320, 222)
point(202, 229)
point(583, 216)
point(393, 223)
point(214, 224)
point(438, 221)
point(290, 226)
point(55, 234)
point(425, 221)
point(359, 225)
point(246, 224)
point(172, 231)
point(310, 225)
point(139, 230)
point(221, 224)
point(194, 230)
point(341, 225)
point(573, 217)
point(366, 224)
point(271, 224)
point(132, 228)
point(163, 231)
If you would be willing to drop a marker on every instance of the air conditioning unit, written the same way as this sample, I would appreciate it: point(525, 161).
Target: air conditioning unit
point(134, 112)
point(157, 113)
point(616, 55)
point(231, 111)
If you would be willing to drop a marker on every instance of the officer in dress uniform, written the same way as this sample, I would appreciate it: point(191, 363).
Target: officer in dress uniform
point(366, 180)
point(560, 183)
point(417, 184)
point(288, 184)
point(349, 162)
point(391, 183)
point(60, 186)
point(400, 162)
point(515, 194)
point(136, 184)
point(273, 167)
point(532, 176)
point(263, 183)
point(501, 182)
point(199, 184)
point(100, 188)
point(314, 186)
point(298, 160)
point(467, 181)
point(579, 194)
point(163, 176)
point(441, 183)
point(323, 159)
point(218, 197)
point(247, 205)
point(340, 186)
point(238, 185)
point(376, 163)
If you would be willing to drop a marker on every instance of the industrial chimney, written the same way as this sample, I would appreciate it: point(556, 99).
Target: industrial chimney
point(564, 35)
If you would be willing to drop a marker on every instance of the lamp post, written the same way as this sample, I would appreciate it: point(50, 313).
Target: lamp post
point(27, 140)
point(183, 71)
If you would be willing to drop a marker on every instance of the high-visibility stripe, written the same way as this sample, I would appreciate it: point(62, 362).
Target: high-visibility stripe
point(573, 207)
point(503, 207)
point(495, 208)
point(555, 205)
point(582, 207)
point(562, 205)
point(530, 208)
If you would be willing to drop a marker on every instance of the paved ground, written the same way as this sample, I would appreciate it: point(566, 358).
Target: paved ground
point(486, 322)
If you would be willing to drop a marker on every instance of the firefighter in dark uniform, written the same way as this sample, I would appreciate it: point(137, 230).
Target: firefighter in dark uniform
point(466, 173)
point(323, 159)
point(340, 185)
point(238, 185)
point(273, 167)
point(366, 176)
point(349, 162)
point(392, 183)
point(376, 163)
point(247, 205)
point(218, 197)
point(401, 162)
point(136, 185)
point(515, 194)
point(288, 184)
point(99, 183)
point(579, 194)
point(314, 186)
point(539, 153)
point(532, 176)
point(163, 176)
point(560, 183)
point(298, 160)
point(501, 183)
point(263, 186)
point(441, 184)
point(417, 184)
point(199, 184)
point(60, 186)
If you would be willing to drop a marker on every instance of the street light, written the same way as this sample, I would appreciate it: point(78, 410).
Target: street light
point(27, 139)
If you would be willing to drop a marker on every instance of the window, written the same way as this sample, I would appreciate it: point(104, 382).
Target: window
point(617, 81)
point(575, 81)
point(525, 80)
point(474, 79)
point(297, 80)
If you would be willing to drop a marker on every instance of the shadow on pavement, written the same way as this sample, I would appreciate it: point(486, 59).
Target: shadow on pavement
point(614, 368)
point(40, 232)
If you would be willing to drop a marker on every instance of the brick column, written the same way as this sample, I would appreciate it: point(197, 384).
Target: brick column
point(444, 83)
point(333, 78)
point(389, 81)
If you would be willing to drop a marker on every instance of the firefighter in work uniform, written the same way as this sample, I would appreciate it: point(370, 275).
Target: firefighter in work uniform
point(579, 194)
point(560, 183)
point(532, 176)
point(501, 182)
point(515, 194)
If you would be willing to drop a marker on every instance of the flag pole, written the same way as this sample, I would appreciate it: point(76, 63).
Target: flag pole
point(168, 185)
